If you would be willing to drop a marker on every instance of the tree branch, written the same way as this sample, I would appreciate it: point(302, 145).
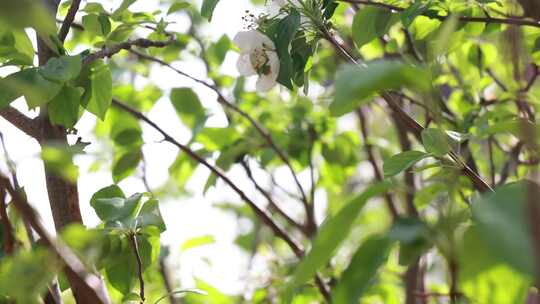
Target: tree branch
point(368, 148)
point(68, 21)
point(24, 123)
point(270, 200)
point(266, 219)
point(510, 21)
point(409, 122)
point(113, 50)
point(133, 240)
point(260, 129)
point(88, 283)
point(9, 238)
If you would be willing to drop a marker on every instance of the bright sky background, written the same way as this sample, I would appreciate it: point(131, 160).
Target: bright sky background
point(221, 264)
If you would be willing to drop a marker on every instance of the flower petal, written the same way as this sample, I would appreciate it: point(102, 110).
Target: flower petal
point(244, 65)
point(250, 40)
point(246, 40)
point(265, 83)
point(273, 62)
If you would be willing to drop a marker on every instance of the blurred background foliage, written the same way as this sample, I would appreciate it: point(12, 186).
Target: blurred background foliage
point(443, 211)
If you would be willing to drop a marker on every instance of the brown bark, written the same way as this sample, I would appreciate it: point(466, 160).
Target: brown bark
point(63, 195)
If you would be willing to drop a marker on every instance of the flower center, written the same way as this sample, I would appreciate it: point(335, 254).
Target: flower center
point(259, 60)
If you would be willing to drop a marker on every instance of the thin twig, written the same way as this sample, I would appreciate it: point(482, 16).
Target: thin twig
point(113, 50)
point(408, 121)
point(88, 283)
point(133, 240)
point(24, 123)
point(70, 17)
point(269, 198)
point(9, 238)
point(260, 129)
point(278, 231)
point(368, 148)
point(487, 20)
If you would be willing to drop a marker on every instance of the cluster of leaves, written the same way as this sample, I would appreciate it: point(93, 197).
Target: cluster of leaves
point(469, 107)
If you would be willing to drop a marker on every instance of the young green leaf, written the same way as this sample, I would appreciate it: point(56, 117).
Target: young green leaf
point(99, 89)
point(62, 69)
point(207, 9)
point(126, 164)
point(361, 270)
point(503, 225)
point(402, 161)
point(436, 141)
point(35, 88)
point(371, 22)
point(64, 107)
point(188, 106)
point(413, 11)
point(354, 84)
point(332, 233)
point(177, 6)
point(282, 33)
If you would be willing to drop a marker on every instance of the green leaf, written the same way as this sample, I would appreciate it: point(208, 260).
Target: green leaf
point(122, 269)
point(64, 108)
point(21, 14)
point(126, 164)
point(402, 161)
point(108, 202)
point(97, 25)
point(182, 169)
point(15, 47)
point(413, 235)
point(215, 139)
point(59, 159)
point(413, 11)
point(197, 242)
point(436, 141)
point(37, 90)
point(8, 93)
point(361, 270)
point(207, 9)
point(354, 84)
point(502, 223)
point(371, 22)
point(99, 89)
point(217, 51)
point(26, 275)
point(283, 35)
point(188, 106)
point(332, 233)
point(62, 69)
point(485, 277)
point(123, 6)
point(178, 6)
point(150, 215)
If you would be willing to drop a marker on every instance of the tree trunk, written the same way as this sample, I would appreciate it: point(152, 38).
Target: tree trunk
point(63, 195)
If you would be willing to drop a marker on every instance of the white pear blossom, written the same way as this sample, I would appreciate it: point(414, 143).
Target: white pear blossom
point(257, 57)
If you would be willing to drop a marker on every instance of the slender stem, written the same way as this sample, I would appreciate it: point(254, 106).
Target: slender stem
point(68, 21)
point(87, 283)
point(164, 271)
point(260, 129)
point(266, 219)
point(368, 147)
point(135, 245)
point(270, 200)
point(510, 20)
point(9, 238)
point(408, 121)
point(24, 123)
point(127, 45)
